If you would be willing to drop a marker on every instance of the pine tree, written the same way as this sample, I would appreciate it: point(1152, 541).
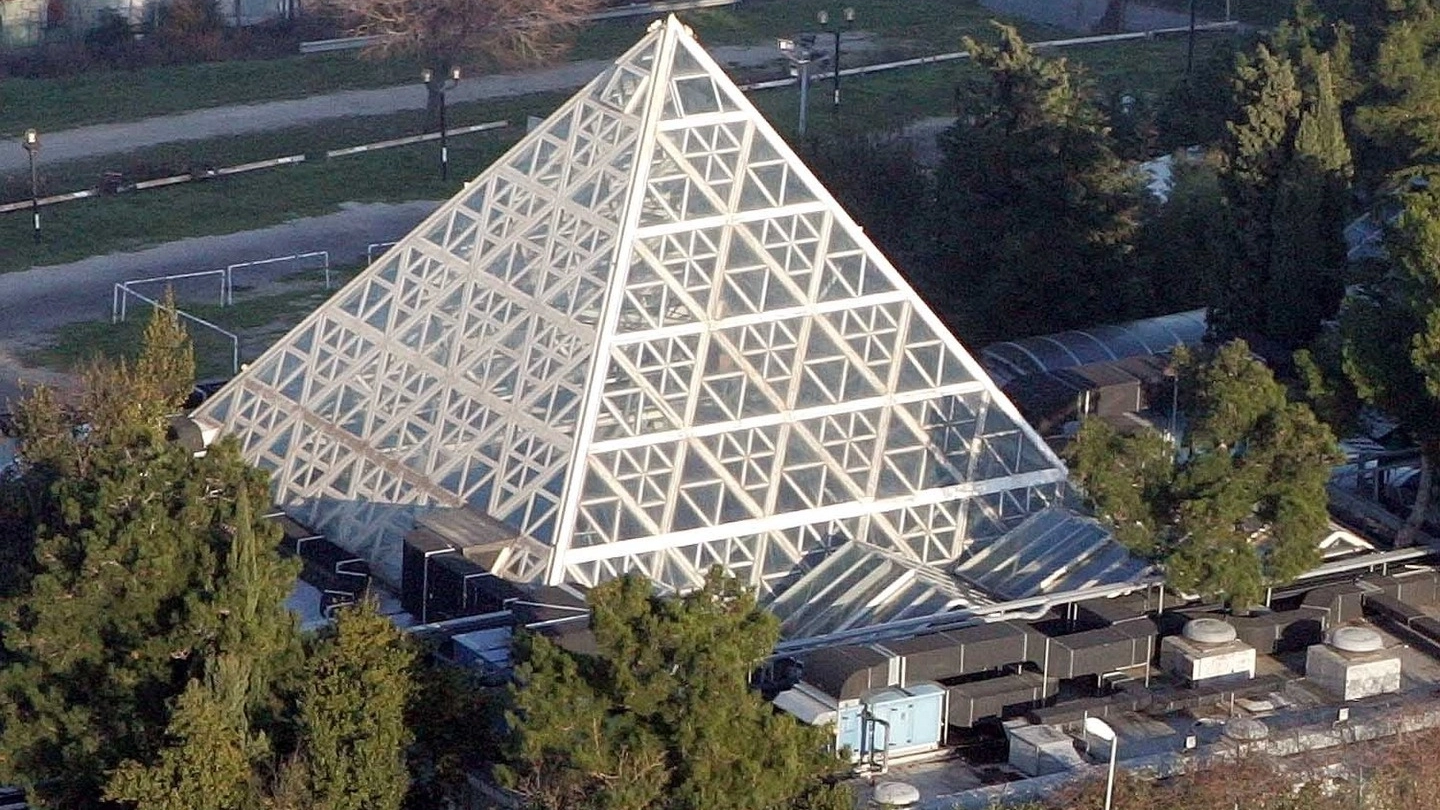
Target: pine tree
point(1037, 214)
point(352, 714)
point(1399, 112)
point(121, 602)
point(1246, 505)
point(663, 716)
point(209, 763)
point(167, 366)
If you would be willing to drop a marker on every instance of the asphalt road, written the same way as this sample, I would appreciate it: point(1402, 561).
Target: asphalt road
point(35, 302)
point(212, 122)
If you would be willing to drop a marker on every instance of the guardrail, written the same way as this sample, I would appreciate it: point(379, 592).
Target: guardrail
point(223, 171)
point(938, 58)
point(429, 136)
point(158, 182)
point(373, 248)
point(340, 44)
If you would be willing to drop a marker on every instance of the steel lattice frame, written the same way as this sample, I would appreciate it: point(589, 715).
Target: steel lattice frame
point(650, 340)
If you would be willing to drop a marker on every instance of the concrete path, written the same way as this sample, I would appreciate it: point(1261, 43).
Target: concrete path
point(104, 139)
point(38, 301)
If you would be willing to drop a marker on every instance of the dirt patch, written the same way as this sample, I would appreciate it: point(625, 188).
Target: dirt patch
point(16, 375)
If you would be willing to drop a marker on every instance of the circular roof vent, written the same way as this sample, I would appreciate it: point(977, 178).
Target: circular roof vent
point(1247, 729)
point(1356, 639)
point(896, 794)
point(1208, 631)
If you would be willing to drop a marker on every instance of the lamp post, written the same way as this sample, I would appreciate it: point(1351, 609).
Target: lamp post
point(848, 16)
point(31, 142)
point(1102, 729)
point(1190, 45)
point(445, 85)
point(801, 53)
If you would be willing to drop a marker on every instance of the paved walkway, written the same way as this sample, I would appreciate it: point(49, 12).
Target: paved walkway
point(105, 139)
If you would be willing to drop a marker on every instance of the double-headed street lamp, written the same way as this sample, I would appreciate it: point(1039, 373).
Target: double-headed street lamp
point(31, 142)
point(801, 53)
point(847, 19)
point(442, 87)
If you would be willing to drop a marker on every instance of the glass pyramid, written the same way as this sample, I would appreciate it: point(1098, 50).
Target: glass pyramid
point(647, 339)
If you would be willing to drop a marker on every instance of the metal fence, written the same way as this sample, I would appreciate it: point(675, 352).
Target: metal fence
point(228, 293)
point(123, 293)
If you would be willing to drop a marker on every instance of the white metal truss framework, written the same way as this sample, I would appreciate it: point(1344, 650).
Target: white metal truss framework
point(648, 339)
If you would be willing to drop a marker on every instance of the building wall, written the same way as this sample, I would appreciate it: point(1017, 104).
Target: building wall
point(29, 22)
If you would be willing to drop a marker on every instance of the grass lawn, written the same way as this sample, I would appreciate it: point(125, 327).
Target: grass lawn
point(256, 318)
point(1254, 12)
point(96, 226)
point(926, 26)
point(100, 97)
point(110, 96)
point(877, 103)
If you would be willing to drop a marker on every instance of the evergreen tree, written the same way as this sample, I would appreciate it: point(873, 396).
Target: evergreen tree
point(209, 763)
point(1185, 239)
point(662, 717)
point(1256, 153)
point(1243, 508)
point(1390, 332)
point(457, 723)
point(352, 714)
point(1304, 285)
point(166, 369)
point(1286, 178)
point(133, 549)
point(1193, 112)
point(1399, 112)
point(1037, 214)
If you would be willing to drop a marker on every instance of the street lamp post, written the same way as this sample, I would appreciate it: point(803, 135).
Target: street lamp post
point(801, 53)
point(848, 16)
point(1102, 729)
point(1190, 44)
point(31, 143)
point(444, 86)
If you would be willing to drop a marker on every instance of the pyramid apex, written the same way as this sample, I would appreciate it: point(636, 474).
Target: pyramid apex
point(672, 25)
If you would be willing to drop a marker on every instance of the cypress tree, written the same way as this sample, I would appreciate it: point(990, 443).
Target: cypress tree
point(210, 759)
point(1304, 284)
point(352, 714)
point(1286, 179)
point(1257, 150)
point(1036, 214)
